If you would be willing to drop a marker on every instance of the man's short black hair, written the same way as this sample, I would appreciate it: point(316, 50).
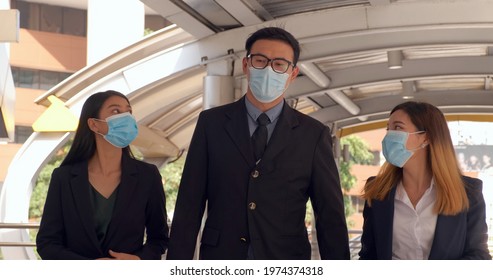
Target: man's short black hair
point(274, 33)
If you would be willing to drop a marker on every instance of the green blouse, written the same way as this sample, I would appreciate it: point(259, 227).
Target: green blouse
point(103, 211)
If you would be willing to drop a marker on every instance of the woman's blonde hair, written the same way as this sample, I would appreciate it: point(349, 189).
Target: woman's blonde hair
point(451, 194)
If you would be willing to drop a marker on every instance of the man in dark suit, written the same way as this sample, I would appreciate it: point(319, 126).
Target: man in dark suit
point(257, 176)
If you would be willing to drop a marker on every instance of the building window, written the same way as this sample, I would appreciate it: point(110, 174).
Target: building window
point(49, 18)
point(22, 133)
point(37, 79)
point(27, 78)
point(47, 79)
point(74, 22)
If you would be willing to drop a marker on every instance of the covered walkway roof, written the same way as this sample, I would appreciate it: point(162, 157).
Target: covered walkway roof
point(446, 49)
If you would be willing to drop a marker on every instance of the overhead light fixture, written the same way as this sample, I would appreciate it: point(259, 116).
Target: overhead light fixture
point(408, 89)
point(394, 59)
point(343, 100)
point(314, 73)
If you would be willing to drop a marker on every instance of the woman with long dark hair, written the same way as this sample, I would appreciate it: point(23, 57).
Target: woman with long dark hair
point(102, 203)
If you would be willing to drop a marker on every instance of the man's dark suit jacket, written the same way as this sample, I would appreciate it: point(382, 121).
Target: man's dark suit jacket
point(260, 206)
point(67, 229)
point(462, 236)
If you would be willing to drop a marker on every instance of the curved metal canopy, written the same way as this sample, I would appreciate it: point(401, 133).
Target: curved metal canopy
point(345, 80)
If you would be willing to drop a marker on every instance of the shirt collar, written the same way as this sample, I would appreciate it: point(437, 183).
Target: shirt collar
point(400, 193)
point(273, 113)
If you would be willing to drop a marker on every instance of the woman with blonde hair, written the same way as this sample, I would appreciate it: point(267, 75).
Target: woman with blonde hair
point(420, 206)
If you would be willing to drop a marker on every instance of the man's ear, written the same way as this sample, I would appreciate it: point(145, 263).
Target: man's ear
point(244, 63)
point(294, 74)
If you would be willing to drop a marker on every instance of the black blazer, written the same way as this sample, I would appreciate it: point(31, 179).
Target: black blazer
point(67, 229)
point(462, 236)
point(260, 206)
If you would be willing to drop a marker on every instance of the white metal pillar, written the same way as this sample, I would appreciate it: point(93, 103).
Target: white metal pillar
point(219, 84)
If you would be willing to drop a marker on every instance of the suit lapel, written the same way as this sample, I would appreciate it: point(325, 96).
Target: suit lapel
point(81, 194)
point(237, 129)
point(128, 185)
point(283, 131)
point(444, 239)
point(384, 211)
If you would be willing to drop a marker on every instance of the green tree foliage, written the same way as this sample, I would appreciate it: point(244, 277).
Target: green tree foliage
point(38, 196)
point(148, 31)
point(359, 150)
point(348, 180)
point(171, 174)
point(40, 190)
point(359, 153)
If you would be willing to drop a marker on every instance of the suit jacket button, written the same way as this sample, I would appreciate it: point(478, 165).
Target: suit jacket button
point(252, 205)
point(243, 239)
point(255, 173)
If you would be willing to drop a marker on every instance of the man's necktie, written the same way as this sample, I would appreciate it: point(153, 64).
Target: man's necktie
point(259, 137)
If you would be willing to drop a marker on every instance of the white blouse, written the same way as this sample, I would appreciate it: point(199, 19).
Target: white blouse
point(414, 229)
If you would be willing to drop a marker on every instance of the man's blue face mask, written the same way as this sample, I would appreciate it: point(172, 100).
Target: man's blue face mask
point(267, 85)
point(122, 129)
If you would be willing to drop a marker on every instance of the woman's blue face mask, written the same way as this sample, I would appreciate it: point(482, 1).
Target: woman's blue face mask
point(122, 129)
point(394, 147)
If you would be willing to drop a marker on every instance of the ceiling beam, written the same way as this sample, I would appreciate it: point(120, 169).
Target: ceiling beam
point(379, 2)
point(373, 74)
point(378, 108)
point(240, 12)
point(180, 17)
point(334, 45)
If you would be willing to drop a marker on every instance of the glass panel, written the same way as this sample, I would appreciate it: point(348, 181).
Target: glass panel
point(74, 22)
point(51, 19)
point(28, 78)
point(214, 13)
point(62, 76)
point(29, 14)
point(22, 133)
point(15, 75)
point(47, 79)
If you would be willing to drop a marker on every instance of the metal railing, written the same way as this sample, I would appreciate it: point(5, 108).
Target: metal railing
point(354, 243)
point(18, 226)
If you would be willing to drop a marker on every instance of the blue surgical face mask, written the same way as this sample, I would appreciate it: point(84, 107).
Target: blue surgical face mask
point(122, 129)
point(267, 85)
point(394, 147)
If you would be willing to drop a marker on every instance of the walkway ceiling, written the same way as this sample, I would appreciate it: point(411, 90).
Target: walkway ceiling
point(345, 80)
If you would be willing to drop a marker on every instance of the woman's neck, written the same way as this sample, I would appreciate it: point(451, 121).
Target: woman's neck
point(106, 160)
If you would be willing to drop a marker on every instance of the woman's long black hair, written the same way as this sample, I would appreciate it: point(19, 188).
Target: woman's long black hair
point(84, 144)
